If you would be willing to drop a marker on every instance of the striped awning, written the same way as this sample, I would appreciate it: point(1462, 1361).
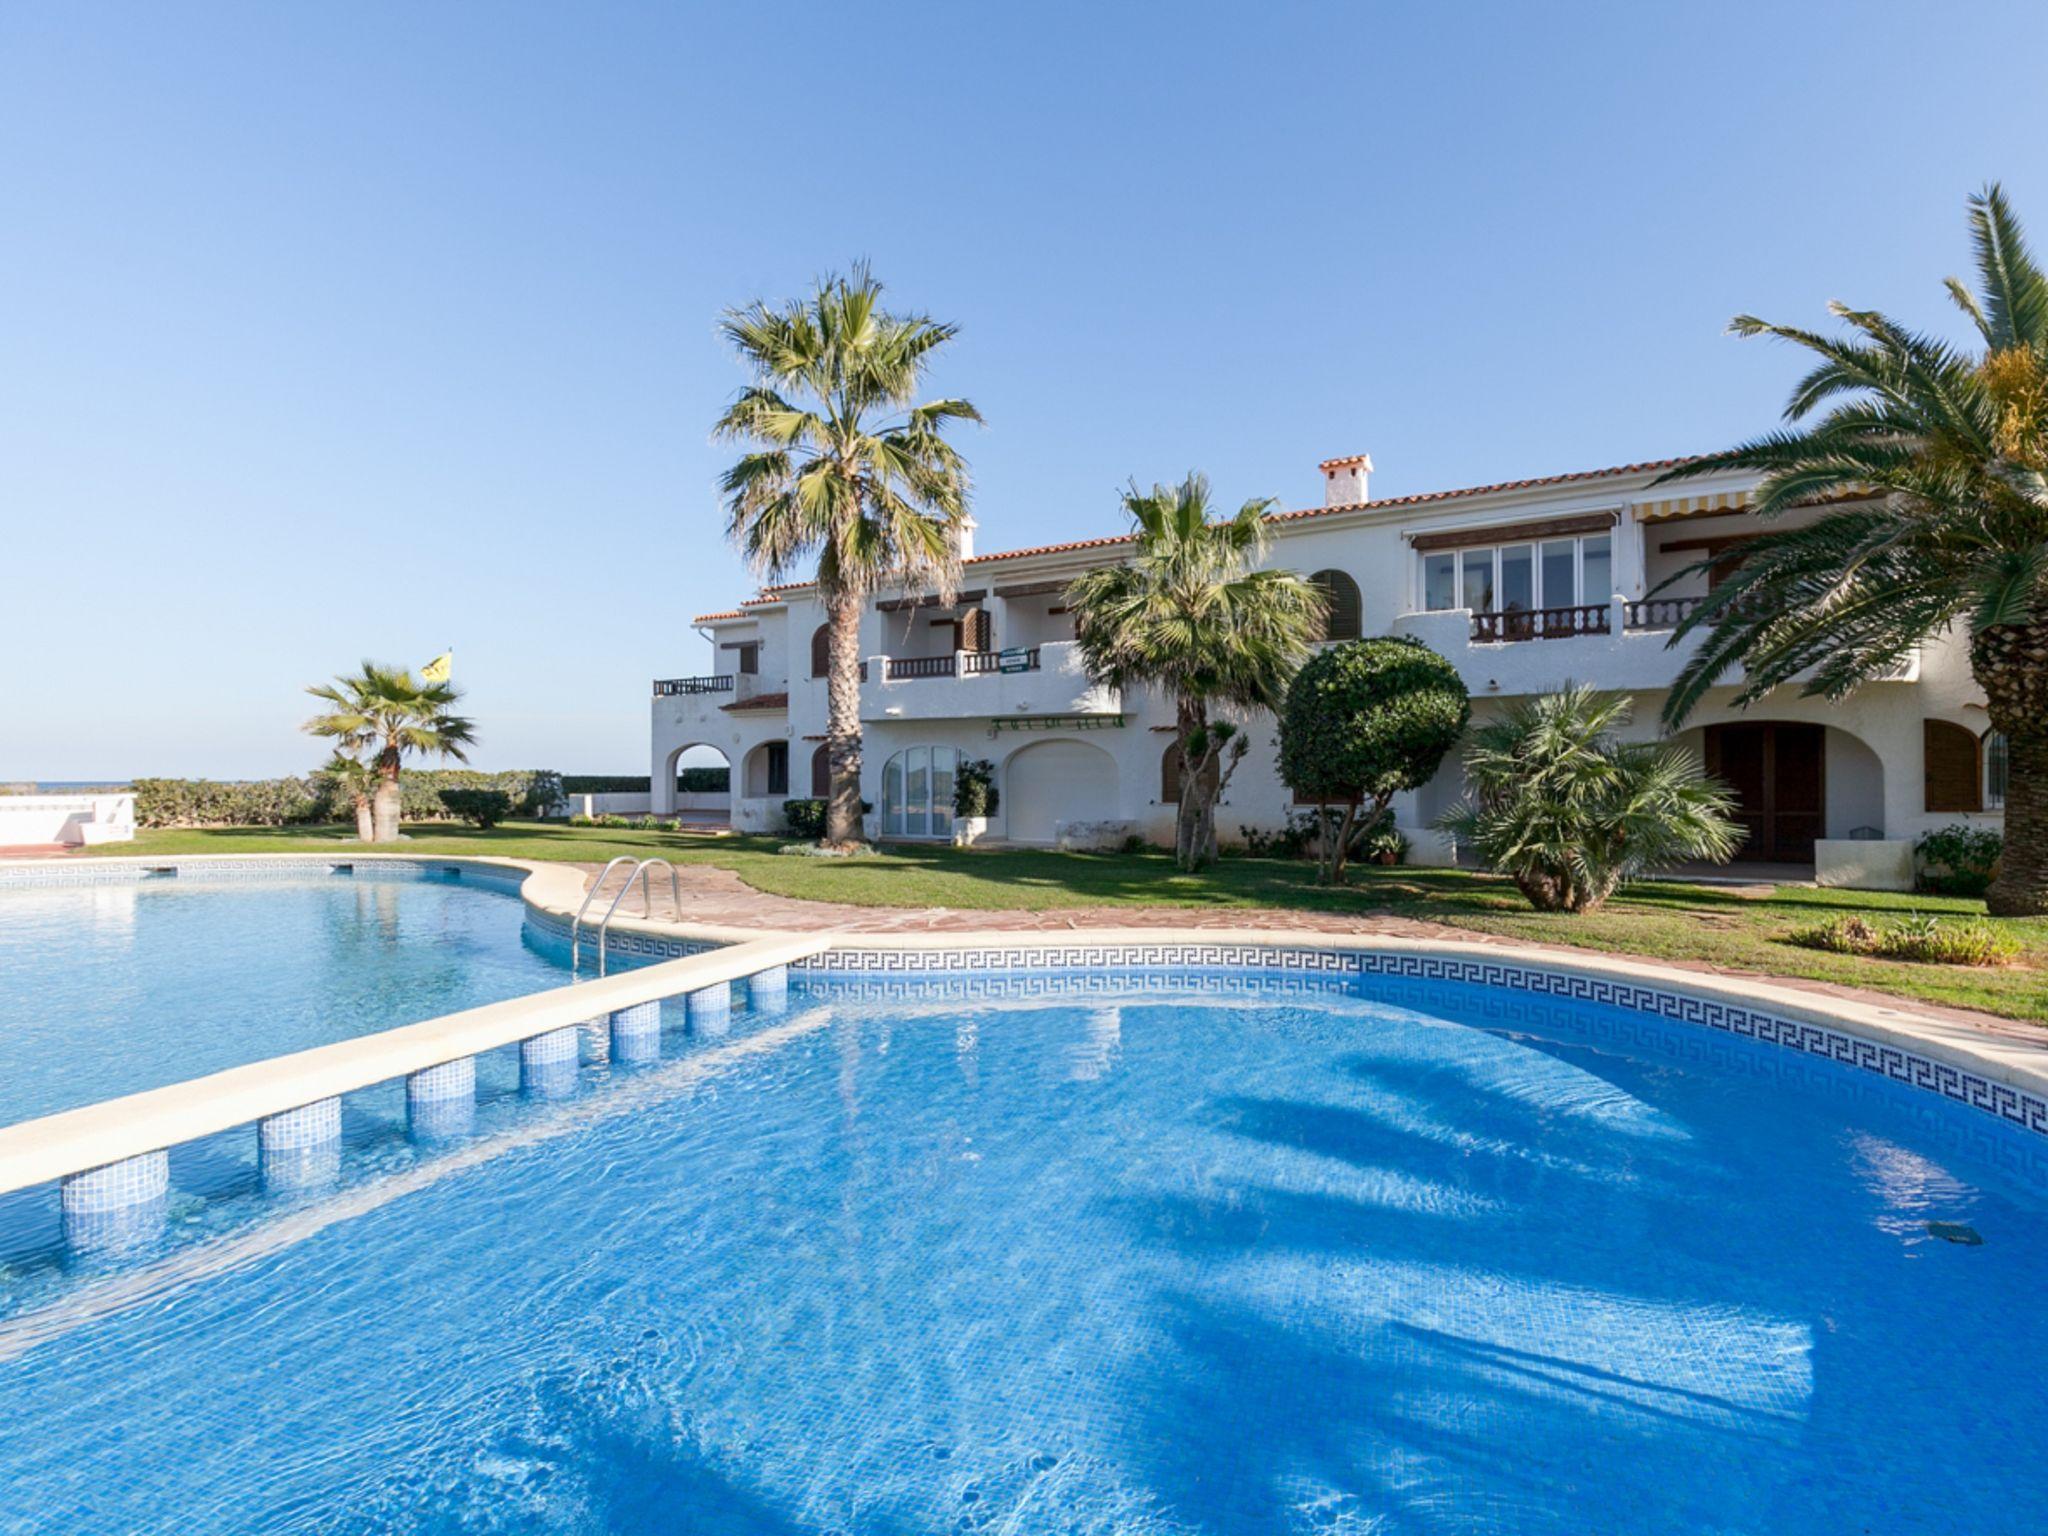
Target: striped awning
point(1691, 506)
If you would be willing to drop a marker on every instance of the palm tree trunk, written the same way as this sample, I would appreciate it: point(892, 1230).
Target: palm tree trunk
point(2011, 665)
point(366, 824)
point(842, 719)
point(1193, 825)
point(385, 804)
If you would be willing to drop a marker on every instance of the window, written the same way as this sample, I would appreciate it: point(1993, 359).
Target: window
point(749, 656)
point(1994, 770)
point(1561, 573)
point(1169, 775)
point(1954, 775)
point(1439, 582)
point(1596, 571)
point(1345, 618)
point(1516, 578)
point(821, 772)
point(1476, 566)
point(917, 792)
point(821, 650)
point(778, 767)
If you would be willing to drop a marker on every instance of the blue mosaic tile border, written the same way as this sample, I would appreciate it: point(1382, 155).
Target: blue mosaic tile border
point(619, 943)
point(2015, 1106)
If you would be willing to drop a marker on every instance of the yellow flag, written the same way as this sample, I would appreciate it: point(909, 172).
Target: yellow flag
point(436, 671)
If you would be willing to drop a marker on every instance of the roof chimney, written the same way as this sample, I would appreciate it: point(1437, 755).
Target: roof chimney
point(962, 535)
point(1344, 480)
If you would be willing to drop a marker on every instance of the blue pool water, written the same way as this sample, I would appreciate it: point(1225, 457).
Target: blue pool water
point(1148, 1256)
point(111, 989)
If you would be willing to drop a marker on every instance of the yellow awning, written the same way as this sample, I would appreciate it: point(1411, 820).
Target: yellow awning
point(1691, 506)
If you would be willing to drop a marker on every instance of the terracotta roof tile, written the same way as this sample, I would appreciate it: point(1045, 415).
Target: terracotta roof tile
point(1424, 498)
point(758, 701)
point(713, 618)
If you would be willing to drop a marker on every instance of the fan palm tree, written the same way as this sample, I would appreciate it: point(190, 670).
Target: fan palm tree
point(1938, 458)
point(845, 467)
point(358, 781)
point(1189, 614)
point(1568, 812)
point(384, 713)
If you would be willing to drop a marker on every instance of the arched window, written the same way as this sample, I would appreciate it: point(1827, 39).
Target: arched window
point(1954, 772)
point(1346, 617)
point(917, 792)
point(1169, 775)
point(821, 650)
point(821, 772)
point(1994, 770)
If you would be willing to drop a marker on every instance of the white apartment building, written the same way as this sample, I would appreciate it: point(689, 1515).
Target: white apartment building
point(1526, 586)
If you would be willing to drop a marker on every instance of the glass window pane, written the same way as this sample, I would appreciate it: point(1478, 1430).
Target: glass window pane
point(892, 796)
point(1597, 578)
point(1478, 565)
point(943, 761)
point(1560, 580)
point(1518, 578)
point(1439, 582)
point(917, 791)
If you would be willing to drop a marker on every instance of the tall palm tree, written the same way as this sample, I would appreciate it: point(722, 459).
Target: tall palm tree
point(385, 712)
point(1938, 456)
point(845, 467)
point(1188, 614)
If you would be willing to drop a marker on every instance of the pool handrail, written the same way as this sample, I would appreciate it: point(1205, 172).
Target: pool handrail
point(675, 887)
point(576, 926)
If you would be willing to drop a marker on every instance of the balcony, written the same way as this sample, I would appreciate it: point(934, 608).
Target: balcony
point(679, 687)
point(1028, 681)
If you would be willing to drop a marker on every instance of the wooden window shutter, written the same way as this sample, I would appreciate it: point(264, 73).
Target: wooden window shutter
point(1954, 771)
point(1169, 775)
point(1345, 619)
point(821, 650)
point(821, 773)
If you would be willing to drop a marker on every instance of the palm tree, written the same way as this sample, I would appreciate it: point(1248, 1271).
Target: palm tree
point(386, 712)
point(1567, 812)
point(1938, 457)
point(357, 780)
point(1188, 614)
point(845, 467)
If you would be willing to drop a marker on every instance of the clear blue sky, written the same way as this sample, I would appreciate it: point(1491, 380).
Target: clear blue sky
point(362, 330)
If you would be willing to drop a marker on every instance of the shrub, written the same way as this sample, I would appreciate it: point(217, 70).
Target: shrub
point(1300, 837)
point(805, 816)
point(1567, 812)
point(1364, 721)
point(974, 789)
point(479, 807)
point(249, 803)
point(1924, 938)
point(701, 781)
point(605, 784)
point(1958, 861)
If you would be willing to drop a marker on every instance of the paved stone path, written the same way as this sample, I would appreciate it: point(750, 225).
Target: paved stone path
point(720, 898)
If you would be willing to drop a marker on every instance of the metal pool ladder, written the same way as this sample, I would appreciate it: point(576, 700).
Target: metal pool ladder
point(641, 869)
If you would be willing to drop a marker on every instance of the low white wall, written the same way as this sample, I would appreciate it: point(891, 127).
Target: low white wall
point(30, 820)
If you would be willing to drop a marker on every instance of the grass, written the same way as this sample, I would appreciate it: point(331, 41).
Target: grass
point(1718, 926)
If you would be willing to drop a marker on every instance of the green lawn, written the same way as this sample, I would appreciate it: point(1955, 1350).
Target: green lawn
point(1673, 922)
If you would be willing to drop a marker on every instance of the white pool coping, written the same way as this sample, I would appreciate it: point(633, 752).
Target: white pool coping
point(54, 1146)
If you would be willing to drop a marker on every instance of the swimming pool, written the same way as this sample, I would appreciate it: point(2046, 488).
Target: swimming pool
point(1107, 1251)
point(122, 984)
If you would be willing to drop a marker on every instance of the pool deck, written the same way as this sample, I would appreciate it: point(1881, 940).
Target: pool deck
point(714, 898)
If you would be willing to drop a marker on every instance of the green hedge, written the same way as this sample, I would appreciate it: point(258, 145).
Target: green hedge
point(698, 781)
point(293, 801)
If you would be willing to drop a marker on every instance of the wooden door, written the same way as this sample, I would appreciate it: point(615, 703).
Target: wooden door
point(1779, 775)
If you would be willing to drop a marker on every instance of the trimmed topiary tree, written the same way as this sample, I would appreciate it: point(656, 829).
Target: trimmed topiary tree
point(1362, 722)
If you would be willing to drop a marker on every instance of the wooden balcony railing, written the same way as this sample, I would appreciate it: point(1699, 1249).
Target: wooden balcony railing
point(1659, 612)
point(1542, 623)
point(960, 664)
point(668, 687)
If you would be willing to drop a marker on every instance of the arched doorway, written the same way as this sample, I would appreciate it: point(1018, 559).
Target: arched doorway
point(1050, 782)
point(698, 778)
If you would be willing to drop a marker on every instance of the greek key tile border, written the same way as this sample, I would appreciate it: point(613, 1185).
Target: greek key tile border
point(620, 943)
point(2015, 1106)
